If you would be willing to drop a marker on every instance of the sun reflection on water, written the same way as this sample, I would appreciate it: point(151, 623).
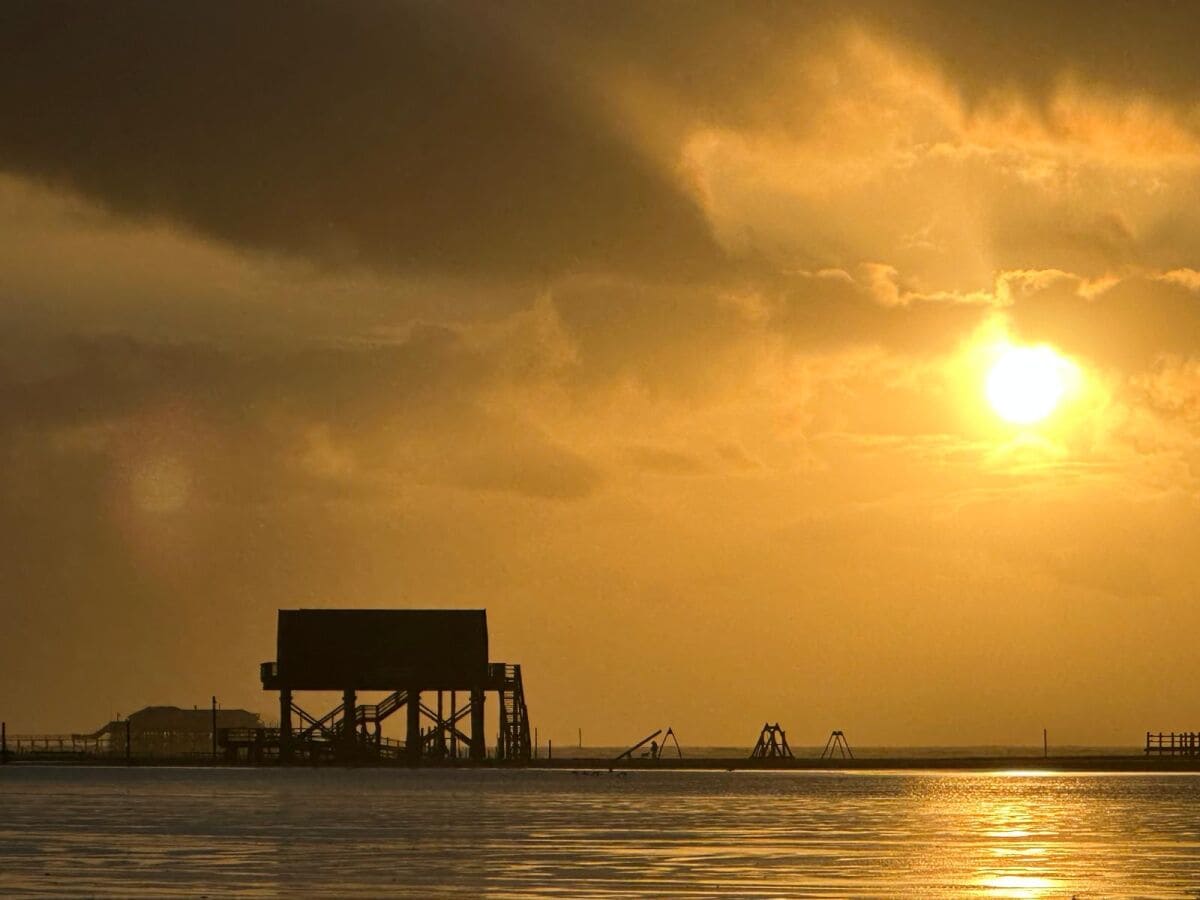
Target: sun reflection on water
point(551, 834)
point(1019, 829)
point(1020, 886)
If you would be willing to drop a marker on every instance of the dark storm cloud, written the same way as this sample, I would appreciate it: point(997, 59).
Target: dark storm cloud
point(408, 136)
point(1030, 45)
point(727, 56)
point(467, 138)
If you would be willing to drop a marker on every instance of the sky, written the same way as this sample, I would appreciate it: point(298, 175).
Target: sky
point(662, 331)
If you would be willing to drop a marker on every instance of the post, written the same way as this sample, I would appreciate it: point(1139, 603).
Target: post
point(349, 704)
point(285, 725)
point(535, 743)
point(580, 738)
point(214, 727)
point(549, 749)
point(454, 725)
point(440, 750)
point(478, 740)
point(128, 743)
point(3, 742)
point(412, 738)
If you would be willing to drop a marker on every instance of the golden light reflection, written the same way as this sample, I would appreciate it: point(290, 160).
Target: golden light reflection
point(1017, 886)
point(1018, 851)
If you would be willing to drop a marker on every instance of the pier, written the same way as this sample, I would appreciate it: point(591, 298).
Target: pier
point(1184, 743)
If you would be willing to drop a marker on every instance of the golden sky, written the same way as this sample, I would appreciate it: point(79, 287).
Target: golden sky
point(662, 331)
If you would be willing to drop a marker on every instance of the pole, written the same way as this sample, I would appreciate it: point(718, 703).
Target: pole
point(349, 724)
point(478, 741)
point(535, 743)
point(580, 738)
point(285, 725)
point(549, 749)
point(1045, 744)
point(3, 742)
point(214, 727)
point(412, 734)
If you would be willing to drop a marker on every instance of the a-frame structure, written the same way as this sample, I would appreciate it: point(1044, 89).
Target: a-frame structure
point(772, 744)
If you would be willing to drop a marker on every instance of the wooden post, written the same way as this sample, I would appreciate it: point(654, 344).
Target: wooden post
point(214, 727)
point(349, 707)
point(285, 725)
point(441, 729)
point(549, 749)
point(478, 740)
point(412, 737)
point(1045, 744)
point(454, 725)
point(3, 742)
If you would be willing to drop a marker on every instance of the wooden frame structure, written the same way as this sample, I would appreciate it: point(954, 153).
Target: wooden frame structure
point(440, 655)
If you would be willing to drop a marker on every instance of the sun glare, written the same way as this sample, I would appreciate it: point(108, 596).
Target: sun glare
point(1026, 384)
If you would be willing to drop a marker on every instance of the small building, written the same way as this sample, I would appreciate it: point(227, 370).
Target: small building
point(407, 653)
point(171, 731)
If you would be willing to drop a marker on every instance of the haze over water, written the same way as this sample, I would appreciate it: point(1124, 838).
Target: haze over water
point(219, 832)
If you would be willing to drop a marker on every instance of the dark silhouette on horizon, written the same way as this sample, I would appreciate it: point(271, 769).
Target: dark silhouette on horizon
point(405, 651)
point(772, 743)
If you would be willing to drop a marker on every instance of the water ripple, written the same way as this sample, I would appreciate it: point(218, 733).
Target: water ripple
point(266, 833)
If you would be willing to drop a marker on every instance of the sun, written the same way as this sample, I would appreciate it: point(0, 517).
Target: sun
point(1026, 384)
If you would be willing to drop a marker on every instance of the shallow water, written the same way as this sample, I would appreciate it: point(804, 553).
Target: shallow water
point(266, 832)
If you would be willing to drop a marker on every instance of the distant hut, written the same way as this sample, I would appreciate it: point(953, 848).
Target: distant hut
point(171, 731)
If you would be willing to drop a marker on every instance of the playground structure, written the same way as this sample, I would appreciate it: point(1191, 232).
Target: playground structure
point(772, 744)
point(656, 749)
point(837, 745)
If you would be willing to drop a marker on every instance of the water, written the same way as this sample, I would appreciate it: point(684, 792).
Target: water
point(247, 832)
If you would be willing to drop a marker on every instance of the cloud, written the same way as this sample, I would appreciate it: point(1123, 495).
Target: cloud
point(602, 313)
point(903, 172)
point(1123, 323)
point(406, 137)
point(432, 140)
point(668, 461)
point(165, 421)
point(529, 465)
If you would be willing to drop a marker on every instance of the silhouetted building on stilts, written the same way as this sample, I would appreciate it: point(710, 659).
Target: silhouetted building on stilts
point(433, 664)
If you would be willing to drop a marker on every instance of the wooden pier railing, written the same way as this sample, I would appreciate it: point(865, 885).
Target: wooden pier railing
point(1183, 743)
point(80, 744)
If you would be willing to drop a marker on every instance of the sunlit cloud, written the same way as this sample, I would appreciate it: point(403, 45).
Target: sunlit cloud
point(607, 331)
